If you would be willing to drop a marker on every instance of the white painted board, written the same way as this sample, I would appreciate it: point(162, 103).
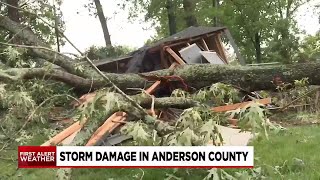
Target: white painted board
point(191, 54)
point(212, 57)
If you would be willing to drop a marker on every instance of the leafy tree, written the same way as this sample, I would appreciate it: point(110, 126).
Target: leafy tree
point(38, 16)
point(97, 53)
point(266, 31)
point(284, 42)
point(310, 48)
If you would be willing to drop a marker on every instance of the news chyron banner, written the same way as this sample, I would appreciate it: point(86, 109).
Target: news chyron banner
point(135, 157)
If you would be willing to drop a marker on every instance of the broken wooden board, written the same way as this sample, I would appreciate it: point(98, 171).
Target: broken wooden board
point(64, 134)
point(240, 105)
point(110, 124)
point(69, 139)
point(212, 57)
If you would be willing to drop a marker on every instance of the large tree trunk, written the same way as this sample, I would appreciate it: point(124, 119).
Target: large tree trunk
point(13, 13)
point(189, 6)
point(195, 76)
point(171, 17)
point(215, 5)
point(257, 46)
point(103, 23)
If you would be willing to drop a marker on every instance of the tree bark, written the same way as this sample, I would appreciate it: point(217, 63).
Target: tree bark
point(194, 76)
point(171, 17)
point(13, 13)
point(257, 46)
point(215, 5)
point(103, 23)
point(189, 7)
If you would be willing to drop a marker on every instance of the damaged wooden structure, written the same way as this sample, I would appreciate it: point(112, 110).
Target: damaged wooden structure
point(190, 46)
point(175, 48)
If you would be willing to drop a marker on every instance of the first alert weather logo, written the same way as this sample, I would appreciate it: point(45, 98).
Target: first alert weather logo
point(136, 156)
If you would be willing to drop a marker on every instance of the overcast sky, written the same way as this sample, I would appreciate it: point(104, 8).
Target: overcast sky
point(85, 31)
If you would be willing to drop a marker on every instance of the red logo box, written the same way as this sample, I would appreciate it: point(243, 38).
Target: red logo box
point(37, 156)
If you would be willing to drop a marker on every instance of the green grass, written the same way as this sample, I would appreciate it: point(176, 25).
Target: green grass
point(282, 149)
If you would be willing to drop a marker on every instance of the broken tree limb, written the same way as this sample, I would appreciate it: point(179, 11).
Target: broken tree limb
point(144, 100)
point(31, 39)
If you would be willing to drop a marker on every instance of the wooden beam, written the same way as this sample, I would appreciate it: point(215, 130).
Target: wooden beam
point(155, 85)
point(163, 60)
point(221, 50)
point(174, 55)
point(239, 105)
point(64, 134)
point(105, 128)
point(205, 44)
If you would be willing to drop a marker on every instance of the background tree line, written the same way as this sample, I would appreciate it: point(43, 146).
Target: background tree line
point(265, 31)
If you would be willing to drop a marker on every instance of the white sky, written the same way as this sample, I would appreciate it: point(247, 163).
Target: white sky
point(85, 31)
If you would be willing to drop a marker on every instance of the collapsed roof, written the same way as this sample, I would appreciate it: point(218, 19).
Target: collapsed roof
point(154, 57)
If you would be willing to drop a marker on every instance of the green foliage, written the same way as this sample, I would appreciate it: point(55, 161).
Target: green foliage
point(217, 94)
point(16, 57)
point(192, 128)
point(37, 16)
point(28, 102)
point(138, 131)
point(302, 97)
point(310, 48)
point(97, 53)
point(269, 24)
point(45, 10)
point(253, 118)
point(93, 110)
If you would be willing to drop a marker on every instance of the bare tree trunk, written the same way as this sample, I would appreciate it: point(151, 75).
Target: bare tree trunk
point(29, 38)
point(189, 6)
point(171, 17)
point(215, 4)
point(103, 23)
point(257, 46)
point(13, 13)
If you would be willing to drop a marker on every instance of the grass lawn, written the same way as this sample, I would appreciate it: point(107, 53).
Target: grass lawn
point(293, 154)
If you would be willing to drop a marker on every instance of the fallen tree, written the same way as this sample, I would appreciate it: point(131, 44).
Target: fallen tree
point(195, 76)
